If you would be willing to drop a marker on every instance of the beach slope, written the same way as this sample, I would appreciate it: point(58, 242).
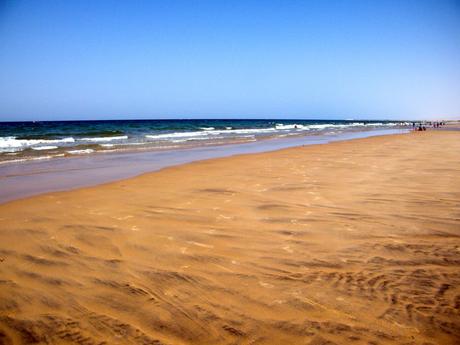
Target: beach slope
point(353, 242)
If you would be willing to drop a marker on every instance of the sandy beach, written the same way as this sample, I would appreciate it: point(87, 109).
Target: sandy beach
point(354, 242)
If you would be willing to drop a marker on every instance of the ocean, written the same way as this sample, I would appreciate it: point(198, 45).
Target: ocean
point(25, 141)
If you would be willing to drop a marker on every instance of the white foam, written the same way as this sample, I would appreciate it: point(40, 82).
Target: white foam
point(11, 144)
point(99, 139)
point(209, 133)
point(31, 159)
point(176, 135)
point(280, 126)
point(298, 127)
point(207, 128)
point(253, 130)
point(322, 126)
point(193, 139)
point(40, 148)
point(79, 152)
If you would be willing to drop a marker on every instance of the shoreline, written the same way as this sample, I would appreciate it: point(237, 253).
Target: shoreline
point(21, 142)
point(63, 174)
point(354, 241)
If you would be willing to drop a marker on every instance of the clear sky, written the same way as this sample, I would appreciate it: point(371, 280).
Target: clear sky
point(206, 59)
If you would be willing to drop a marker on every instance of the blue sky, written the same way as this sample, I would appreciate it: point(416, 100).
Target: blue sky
point(226, 59)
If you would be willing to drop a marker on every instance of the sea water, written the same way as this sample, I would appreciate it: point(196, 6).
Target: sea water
point(24, 141)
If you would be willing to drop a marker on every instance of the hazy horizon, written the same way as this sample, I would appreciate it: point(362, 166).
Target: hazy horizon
point(213, 118)
point(232, 119)
point(114, 60)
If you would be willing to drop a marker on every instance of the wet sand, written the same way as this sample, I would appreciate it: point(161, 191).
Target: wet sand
point(354, 242)
point(25, 179)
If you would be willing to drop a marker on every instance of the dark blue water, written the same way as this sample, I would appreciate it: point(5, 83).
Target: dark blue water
point(21, 141)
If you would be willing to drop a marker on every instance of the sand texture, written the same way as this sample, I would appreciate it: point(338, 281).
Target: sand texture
point(354, 242)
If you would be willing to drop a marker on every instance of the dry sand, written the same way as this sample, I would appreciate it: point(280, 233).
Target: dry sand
point(354, 242)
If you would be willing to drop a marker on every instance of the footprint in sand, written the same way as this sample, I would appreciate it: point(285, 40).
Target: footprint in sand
point(122, 218)
point(266, 285)
point(288, 249)
point(200, 244)
point(278, 301)
point(95, 213)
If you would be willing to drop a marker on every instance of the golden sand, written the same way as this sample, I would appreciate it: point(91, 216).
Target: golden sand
point(353, 242)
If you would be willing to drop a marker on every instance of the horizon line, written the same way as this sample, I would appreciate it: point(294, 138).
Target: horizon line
point(230, 119)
